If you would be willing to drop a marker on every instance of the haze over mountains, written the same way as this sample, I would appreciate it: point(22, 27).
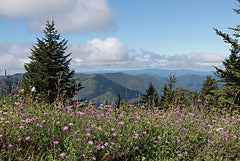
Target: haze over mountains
point(102, 87)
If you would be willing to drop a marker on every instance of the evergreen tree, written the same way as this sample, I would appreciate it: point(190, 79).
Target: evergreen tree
point(207, 91)
point(48, 71)
point(118, 101)
point(151, 97)
point(229, 95)
point(168, 97)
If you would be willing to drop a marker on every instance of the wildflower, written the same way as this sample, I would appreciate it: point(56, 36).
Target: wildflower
point(106, 144)
point(65, 128)
point(28, 138)
point(83, 155)
point(94, 158)
point(75, 133)
point(10, 145)
point(98, 147)
point(33, 89)
point(179, 155)
point(1, 136)
point(90, 142)
point(144, 132)
point(178, 141)
point(70, 124)
point(155, 141)
point(56, 142)
point(88, 134)
point(62, 154)
point(159, 138)
point(57, 123)
point(44, 122)
point(19, 139)
point(120, 123)
point(67, 158)
point(185, 152)
point(136, 147)
point(21, 127)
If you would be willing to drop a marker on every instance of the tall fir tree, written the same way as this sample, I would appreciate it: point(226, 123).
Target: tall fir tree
point(151, 97)
point(168, 97)
point(209, 86)
point(229, 95)
point(48, 71)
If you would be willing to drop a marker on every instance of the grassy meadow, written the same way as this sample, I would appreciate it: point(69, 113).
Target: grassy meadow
point(34, 131)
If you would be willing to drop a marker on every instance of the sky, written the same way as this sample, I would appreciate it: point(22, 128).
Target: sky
point(117, 35)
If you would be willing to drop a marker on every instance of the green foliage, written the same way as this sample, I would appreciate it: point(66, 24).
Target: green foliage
point(151, 98)
point(48, 71)
point(168, 97)
point(229, 95)
point(33, 131)
point(208, 90)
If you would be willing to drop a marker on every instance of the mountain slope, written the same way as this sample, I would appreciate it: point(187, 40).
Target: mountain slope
point(101, 89)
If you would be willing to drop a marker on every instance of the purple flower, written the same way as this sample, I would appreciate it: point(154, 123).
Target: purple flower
point(98, 147)
point(178, 141)
point(65, 128)
point(19, 139)
point(28, 138)
point(67, 158)
point(21, 127)
point(185, 152)
point(136, 147)
point(90, 142)
point(88, 134)
point(120, 123)
point(94, 158)
point(70, 124)
point(44, 122)
point(106, 144)
point(155, 141)
point(62, 154)
point(56, 142)
point(10, 145)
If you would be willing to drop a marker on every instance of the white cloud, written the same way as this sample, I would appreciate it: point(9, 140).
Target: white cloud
point(13, 56)
point(110, 54)
point(71, 16)
point(32, 8)
point(110, 51)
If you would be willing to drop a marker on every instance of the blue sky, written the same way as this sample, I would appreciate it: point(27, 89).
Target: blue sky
point(120, 34)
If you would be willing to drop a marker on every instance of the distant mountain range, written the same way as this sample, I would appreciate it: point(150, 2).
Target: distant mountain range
point(102, 87)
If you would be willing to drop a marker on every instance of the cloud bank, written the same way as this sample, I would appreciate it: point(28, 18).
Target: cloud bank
point(72, 16)
point(111, 54)
point(13, 56)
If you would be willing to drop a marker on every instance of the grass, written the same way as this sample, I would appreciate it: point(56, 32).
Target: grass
point(33, 131)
